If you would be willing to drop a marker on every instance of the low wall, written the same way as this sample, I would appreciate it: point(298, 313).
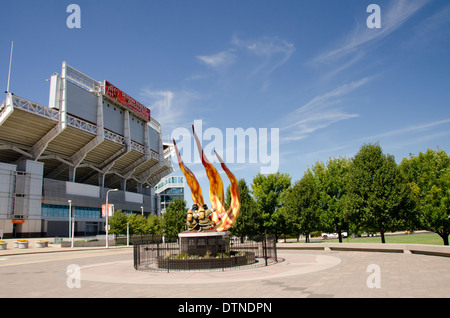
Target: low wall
point(209, 263)
point(437, 250)
point(122, 240)
point(88, 243)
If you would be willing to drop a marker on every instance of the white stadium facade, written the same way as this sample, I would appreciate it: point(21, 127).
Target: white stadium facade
point(91, 138)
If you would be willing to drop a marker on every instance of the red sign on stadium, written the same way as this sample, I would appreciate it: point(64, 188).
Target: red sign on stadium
point(124, 99)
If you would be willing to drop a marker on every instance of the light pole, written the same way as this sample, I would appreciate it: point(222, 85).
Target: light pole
point(107, 212)
point(73, 229)
point(162, 214)
point(128, 234)
point(70, 220)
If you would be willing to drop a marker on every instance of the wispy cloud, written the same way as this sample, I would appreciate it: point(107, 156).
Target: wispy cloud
point(319, 113)
point(435, 27)
point(392, 18)
point(407, 130)
point(329, 98)
point(273, 52)
point(169, 107)
point(267, 54)
point(161, 104)
point(218, 60)
point(267, 47)
point(354, 47)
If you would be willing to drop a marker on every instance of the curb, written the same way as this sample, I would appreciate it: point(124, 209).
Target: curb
point(59, 250)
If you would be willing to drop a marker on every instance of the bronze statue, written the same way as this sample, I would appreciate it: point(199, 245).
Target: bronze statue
point(218, 218)
point(204, 218)
point(191, 219)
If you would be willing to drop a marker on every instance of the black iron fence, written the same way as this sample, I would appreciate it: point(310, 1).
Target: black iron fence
point(257, 251)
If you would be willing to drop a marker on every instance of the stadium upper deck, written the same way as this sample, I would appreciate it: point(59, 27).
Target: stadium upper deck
point(91, 137)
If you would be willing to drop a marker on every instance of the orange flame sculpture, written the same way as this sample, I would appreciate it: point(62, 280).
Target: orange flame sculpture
point(220, 218)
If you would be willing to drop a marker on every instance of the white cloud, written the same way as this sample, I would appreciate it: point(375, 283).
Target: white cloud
point(274, 51)
point(267, 54)
point(434, 28)
point(354, 47)
point(170, 108)
point(392, 18)
point(318, 113)
point(161, 105)
point(408, 130)
point(218, 60)
point(266, 46)
point(330, 97)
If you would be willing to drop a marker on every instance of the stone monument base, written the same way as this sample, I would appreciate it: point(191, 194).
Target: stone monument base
point(205, 243)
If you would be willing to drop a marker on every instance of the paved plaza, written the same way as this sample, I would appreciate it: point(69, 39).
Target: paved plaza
point(300, 273)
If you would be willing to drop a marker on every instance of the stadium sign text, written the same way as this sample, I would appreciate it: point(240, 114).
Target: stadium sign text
point(127, 101)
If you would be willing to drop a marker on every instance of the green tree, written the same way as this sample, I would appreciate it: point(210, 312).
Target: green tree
point(154, 224)
point(249, 222)
point(332, 185)
point(301, 206)
point(174, 220)
point(267, 190)
point(379, 198)
point(118, 223)
point(138, 224)
point(429, 177)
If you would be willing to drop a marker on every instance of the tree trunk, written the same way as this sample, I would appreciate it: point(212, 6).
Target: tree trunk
point(382, 237)
point(444, 236)
point(338, 229)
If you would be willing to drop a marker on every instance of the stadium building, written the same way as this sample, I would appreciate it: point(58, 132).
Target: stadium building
point(91, 138)
point(168, 189)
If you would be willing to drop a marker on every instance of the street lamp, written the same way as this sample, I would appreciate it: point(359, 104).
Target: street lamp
point(107, 212)
point(162, 214)
point(73, 228)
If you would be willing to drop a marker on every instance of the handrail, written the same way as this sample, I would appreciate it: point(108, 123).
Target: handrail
point(35, 108)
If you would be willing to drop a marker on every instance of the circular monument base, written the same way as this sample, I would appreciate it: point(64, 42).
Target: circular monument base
point(205, 243)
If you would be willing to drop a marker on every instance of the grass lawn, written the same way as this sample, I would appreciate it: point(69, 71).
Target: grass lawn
point(419, 238)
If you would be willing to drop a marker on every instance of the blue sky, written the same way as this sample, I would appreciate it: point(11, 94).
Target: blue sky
point(311, 69)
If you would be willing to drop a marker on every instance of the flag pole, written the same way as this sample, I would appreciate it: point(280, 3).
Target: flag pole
point(10, 62)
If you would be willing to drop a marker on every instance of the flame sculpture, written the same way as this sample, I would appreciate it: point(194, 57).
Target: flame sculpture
point(220, 218)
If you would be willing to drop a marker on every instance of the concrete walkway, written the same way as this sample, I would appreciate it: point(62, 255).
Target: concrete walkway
point(315, 270)
point(299, 274)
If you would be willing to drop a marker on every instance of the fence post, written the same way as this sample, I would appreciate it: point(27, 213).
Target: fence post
point(275, 250)
point(135, 257)
point(168, 258)
point(265, 248)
